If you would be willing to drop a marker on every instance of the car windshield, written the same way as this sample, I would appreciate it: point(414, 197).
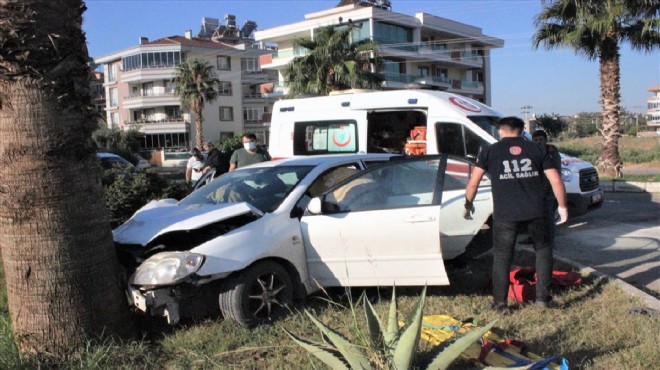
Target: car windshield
point(263, 187)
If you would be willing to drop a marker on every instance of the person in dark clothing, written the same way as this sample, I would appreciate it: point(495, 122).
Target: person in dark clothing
point(540, 137)
point(213, 160)
point(516, 169)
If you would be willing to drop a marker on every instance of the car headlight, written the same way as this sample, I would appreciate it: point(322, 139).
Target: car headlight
point(167, 268)
point(566, 174)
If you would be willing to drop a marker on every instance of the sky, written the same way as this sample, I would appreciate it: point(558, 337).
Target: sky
point(551, 82)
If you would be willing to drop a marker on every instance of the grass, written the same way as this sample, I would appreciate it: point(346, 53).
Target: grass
point(637, 153)
point(593, 329)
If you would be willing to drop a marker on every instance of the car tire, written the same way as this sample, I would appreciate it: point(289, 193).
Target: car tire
point(260, 294)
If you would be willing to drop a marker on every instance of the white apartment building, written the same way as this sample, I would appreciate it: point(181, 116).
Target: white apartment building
point(653, 108)
point(420, 51)
point(140, 92)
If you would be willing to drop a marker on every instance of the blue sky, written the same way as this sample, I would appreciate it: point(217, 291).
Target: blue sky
point(550, 81)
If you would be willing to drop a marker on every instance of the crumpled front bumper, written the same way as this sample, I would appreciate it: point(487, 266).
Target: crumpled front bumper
point(160, 302)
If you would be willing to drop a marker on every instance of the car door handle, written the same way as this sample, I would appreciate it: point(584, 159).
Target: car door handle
point(415, 219)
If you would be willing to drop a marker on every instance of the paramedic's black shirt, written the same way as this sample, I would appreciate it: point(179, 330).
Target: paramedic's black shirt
point(515, 167)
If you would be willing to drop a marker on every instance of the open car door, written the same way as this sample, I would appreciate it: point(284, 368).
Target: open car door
point(456, 233)
point(379, 227)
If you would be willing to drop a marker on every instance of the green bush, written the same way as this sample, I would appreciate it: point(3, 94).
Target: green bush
point(124, 144)
point(127, 190)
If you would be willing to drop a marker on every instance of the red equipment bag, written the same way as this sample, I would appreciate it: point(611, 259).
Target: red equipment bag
point(522, 287)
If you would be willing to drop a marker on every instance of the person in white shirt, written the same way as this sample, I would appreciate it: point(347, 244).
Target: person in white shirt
point(194, 166)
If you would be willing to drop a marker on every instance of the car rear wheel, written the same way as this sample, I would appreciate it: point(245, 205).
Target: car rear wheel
point(260, 294)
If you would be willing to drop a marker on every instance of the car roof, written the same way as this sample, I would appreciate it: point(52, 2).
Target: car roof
point(107, 155)
point(315, 160)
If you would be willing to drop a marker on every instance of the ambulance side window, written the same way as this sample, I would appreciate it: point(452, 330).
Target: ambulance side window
point(456, 139)
point(325, 137)
point(450, 139)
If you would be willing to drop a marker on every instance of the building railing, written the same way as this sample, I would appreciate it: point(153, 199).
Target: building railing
point(149, 94)
point(156, 121)
point(439, 50)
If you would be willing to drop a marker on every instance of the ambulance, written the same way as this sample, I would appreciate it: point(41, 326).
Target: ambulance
point(406, 122)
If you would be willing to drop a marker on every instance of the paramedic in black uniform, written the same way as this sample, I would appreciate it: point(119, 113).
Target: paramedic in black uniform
point(517, 169)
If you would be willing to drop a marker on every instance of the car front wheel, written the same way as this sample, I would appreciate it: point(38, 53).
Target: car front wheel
point(260, 294)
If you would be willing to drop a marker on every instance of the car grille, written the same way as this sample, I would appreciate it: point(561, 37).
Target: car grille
point(589, 179)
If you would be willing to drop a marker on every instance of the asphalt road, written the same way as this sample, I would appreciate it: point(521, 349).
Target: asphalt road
point(622, 239)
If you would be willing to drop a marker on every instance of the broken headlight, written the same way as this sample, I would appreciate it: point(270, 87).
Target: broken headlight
point(167, 268)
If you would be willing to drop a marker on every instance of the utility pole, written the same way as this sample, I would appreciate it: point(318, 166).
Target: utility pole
point(526, 110)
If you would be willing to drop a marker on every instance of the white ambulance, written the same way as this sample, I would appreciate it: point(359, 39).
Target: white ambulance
point(406, 122)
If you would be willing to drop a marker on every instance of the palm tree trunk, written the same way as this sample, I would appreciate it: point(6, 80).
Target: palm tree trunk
point(61, 269)
point(199, 127)
point(609, 162)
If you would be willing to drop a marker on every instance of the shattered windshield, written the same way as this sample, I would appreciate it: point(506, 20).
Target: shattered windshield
point(264, 187)
point(488, 124)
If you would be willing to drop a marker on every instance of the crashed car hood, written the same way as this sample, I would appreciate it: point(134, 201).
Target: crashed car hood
point(154, 220)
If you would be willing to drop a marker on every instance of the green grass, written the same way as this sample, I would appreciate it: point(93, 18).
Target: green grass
point(633, 150)
point(594, 330)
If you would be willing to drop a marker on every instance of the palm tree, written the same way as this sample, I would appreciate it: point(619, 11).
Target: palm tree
point(61, 269)
point(196, 84)
point(594, 29)
point(332, 63)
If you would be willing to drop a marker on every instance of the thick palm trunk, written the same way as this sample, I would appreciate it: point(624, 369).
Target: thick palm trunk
point(57, 249)
point(609, 162)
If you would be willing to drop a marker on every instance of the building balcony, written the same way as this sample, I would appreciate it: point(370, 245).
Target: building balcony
point(432, 52)
point(467, 87)
point(167, 125)
point(439, 82)
point(280, 58)
point(147, 100)
point(254, 98)
point(148, 74)
point(273, 90)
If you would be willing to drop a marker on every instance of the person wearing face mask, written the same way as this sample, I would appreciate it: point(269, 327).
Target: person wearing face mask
point(249, 154)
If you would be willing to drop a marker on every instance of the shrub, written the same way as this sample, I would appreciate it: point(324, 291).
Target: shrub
point(124, 144)
point(127, 190)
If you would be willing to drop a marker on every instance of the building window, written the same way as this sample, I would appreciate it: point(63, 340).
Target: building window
point(226, 113)
point(151, 60)
point(148, 89)
point(252, 114)
point(112, 73)
point(172, 112)
point(224, 135)
point(166, 141)
point(170, 87)
point(250, 65)
point(114, 98)
point(224, 62)
point(386, 33)
point(224, 88)
point(114, 119)
point(423, 71)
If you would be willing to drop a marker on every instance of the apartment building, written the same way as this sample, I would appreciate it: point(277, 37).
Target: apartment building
point(653, 108)
point(97, 92)
point(420, 51)
point(140, 93)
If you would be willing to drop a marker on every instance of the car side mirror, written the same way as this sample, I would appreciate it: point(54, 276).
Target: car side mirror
point(315, 206)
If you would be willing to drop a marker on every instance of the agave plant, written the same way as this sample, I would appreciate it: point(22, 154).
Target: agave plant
point(396, 343)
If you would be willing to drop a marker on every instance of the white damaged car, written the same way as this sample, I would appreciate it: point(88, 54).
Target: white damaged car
point(253, 239)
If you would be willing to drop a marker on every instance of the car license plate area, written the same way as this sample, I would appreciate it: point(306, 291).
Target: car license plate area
point(138, 300)
point(596, 198)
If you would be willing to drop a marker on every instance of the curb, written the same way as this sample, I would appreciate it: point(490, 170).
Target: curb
point(616, 186)
point(648, 300)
